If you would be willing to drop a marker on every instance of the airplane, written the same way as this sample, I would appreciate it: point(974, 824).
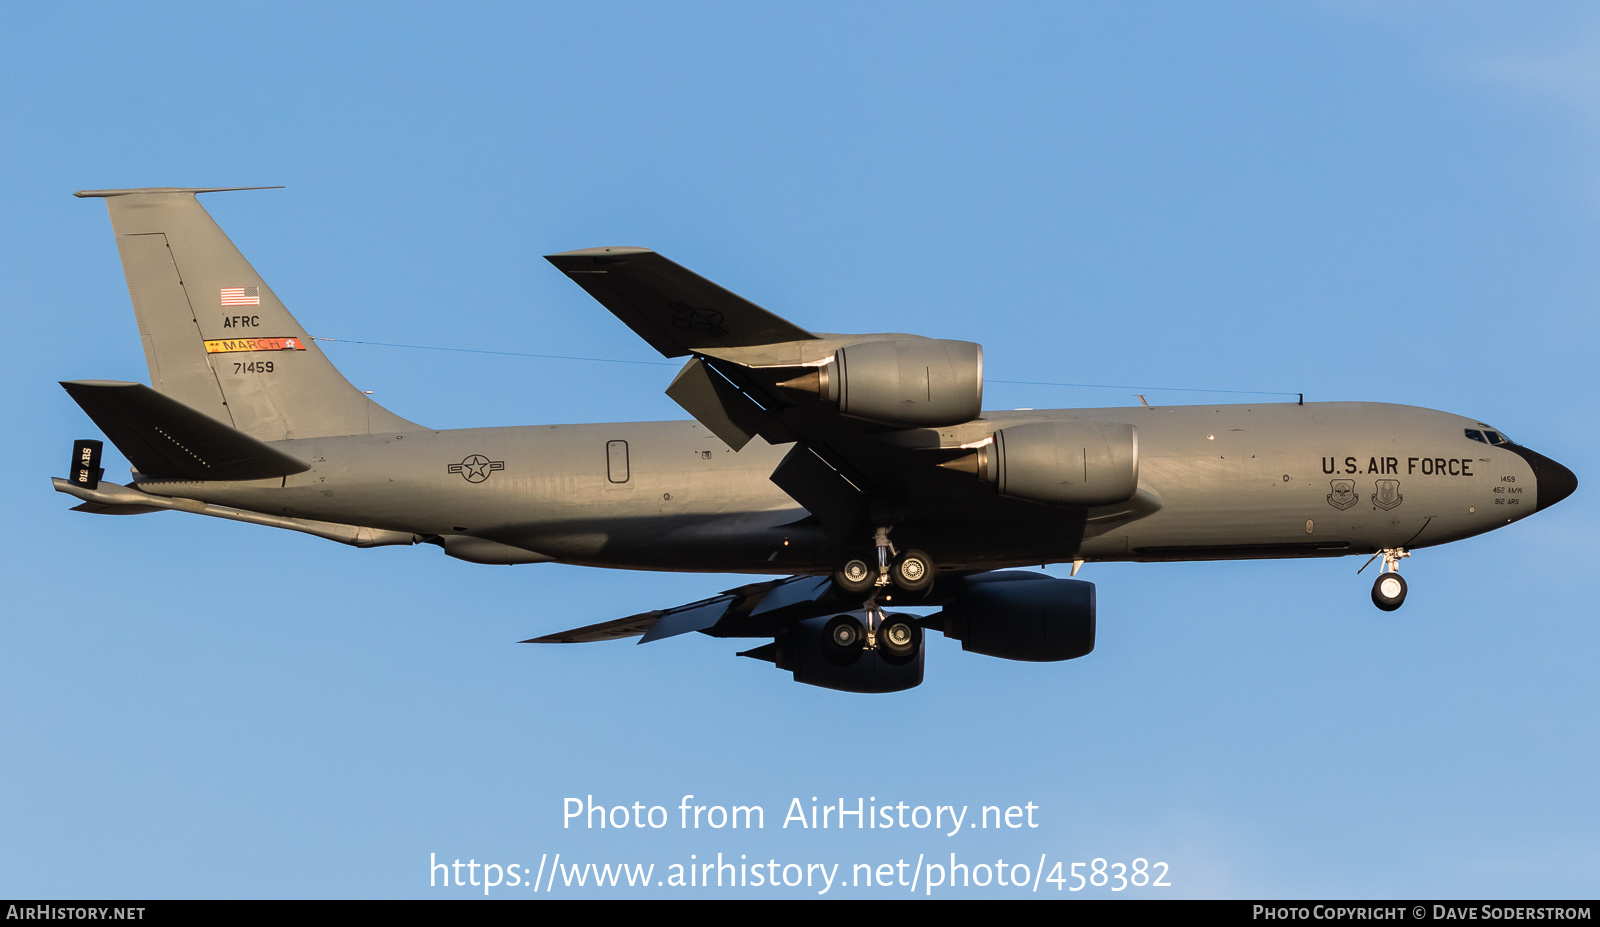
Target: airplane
point(878, 480)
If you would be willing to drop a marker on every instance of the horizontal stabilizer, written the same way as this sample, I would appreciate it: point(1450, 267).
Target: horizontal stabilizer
point(101, 194)
point(164, 438)
point(676, 310)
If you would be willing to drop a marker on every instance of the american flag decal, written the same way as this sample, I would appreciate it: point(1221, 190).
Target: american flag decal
point(241, 296)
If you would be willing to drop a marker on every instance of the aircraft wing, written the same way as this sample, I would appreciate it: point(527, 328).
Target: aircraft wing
point(631, 626)
point(754, 373)
point(887, 428)
point(676, 310)
point(756, 610)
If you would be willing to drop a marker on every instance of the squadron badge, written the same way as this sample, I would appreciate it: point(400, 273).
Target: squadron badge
point(1343, 495)
point(1388, 495)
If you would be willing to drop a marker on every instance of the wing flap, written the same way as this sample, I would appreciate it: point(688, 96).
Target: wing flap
point(825, 491)
point(804, 589)
point(689, 618)
point(723, 408)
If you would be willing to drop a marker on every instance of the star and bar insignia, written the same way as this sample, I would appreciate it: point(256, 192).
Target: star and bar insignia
point(476, 468)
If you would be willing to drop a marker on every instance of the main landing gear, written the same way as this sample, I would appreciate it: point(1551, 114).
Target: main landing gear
point(896, 638)
point(1389, 590)
point(910, 570)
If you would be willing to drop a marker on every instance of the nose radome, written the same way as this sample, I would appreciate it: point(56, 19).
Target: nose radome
point(1553, 481)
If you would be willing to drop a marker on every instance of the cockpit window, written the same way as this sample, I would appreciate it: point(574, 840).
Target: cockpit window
point(1488, 436)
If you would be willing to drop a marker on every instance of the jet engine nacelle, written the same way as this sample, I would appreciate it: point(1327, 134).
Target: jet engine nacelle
point(1064, 462)
point(805, 650)
point(910, 382)
point(1025, 616)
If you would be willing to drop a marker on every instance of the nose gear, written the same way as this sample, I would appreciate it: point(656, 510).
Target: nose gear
point(1389, 590)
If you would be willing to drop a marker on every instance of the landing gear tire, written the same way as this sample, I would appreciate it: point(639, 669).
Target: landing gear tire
point(912, 571)
point(899, 639)
point(854, 575)
point(844, 640)
point(1389, 592)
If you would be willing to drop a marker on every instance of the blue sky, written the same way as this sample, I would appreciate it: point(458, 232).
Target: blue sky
point(1357, 201)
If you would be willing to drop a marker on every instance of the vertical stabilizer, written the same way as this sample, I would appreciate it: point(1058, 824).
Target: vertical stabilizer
point(215, 336)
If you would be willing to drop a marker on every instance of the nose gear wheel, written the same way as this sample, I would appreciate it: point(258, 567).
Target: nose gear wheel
point(1389, 590)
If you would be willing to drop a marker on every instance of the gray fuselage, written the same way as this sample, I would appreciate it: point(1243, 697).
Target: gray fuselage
point(1215, 482)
